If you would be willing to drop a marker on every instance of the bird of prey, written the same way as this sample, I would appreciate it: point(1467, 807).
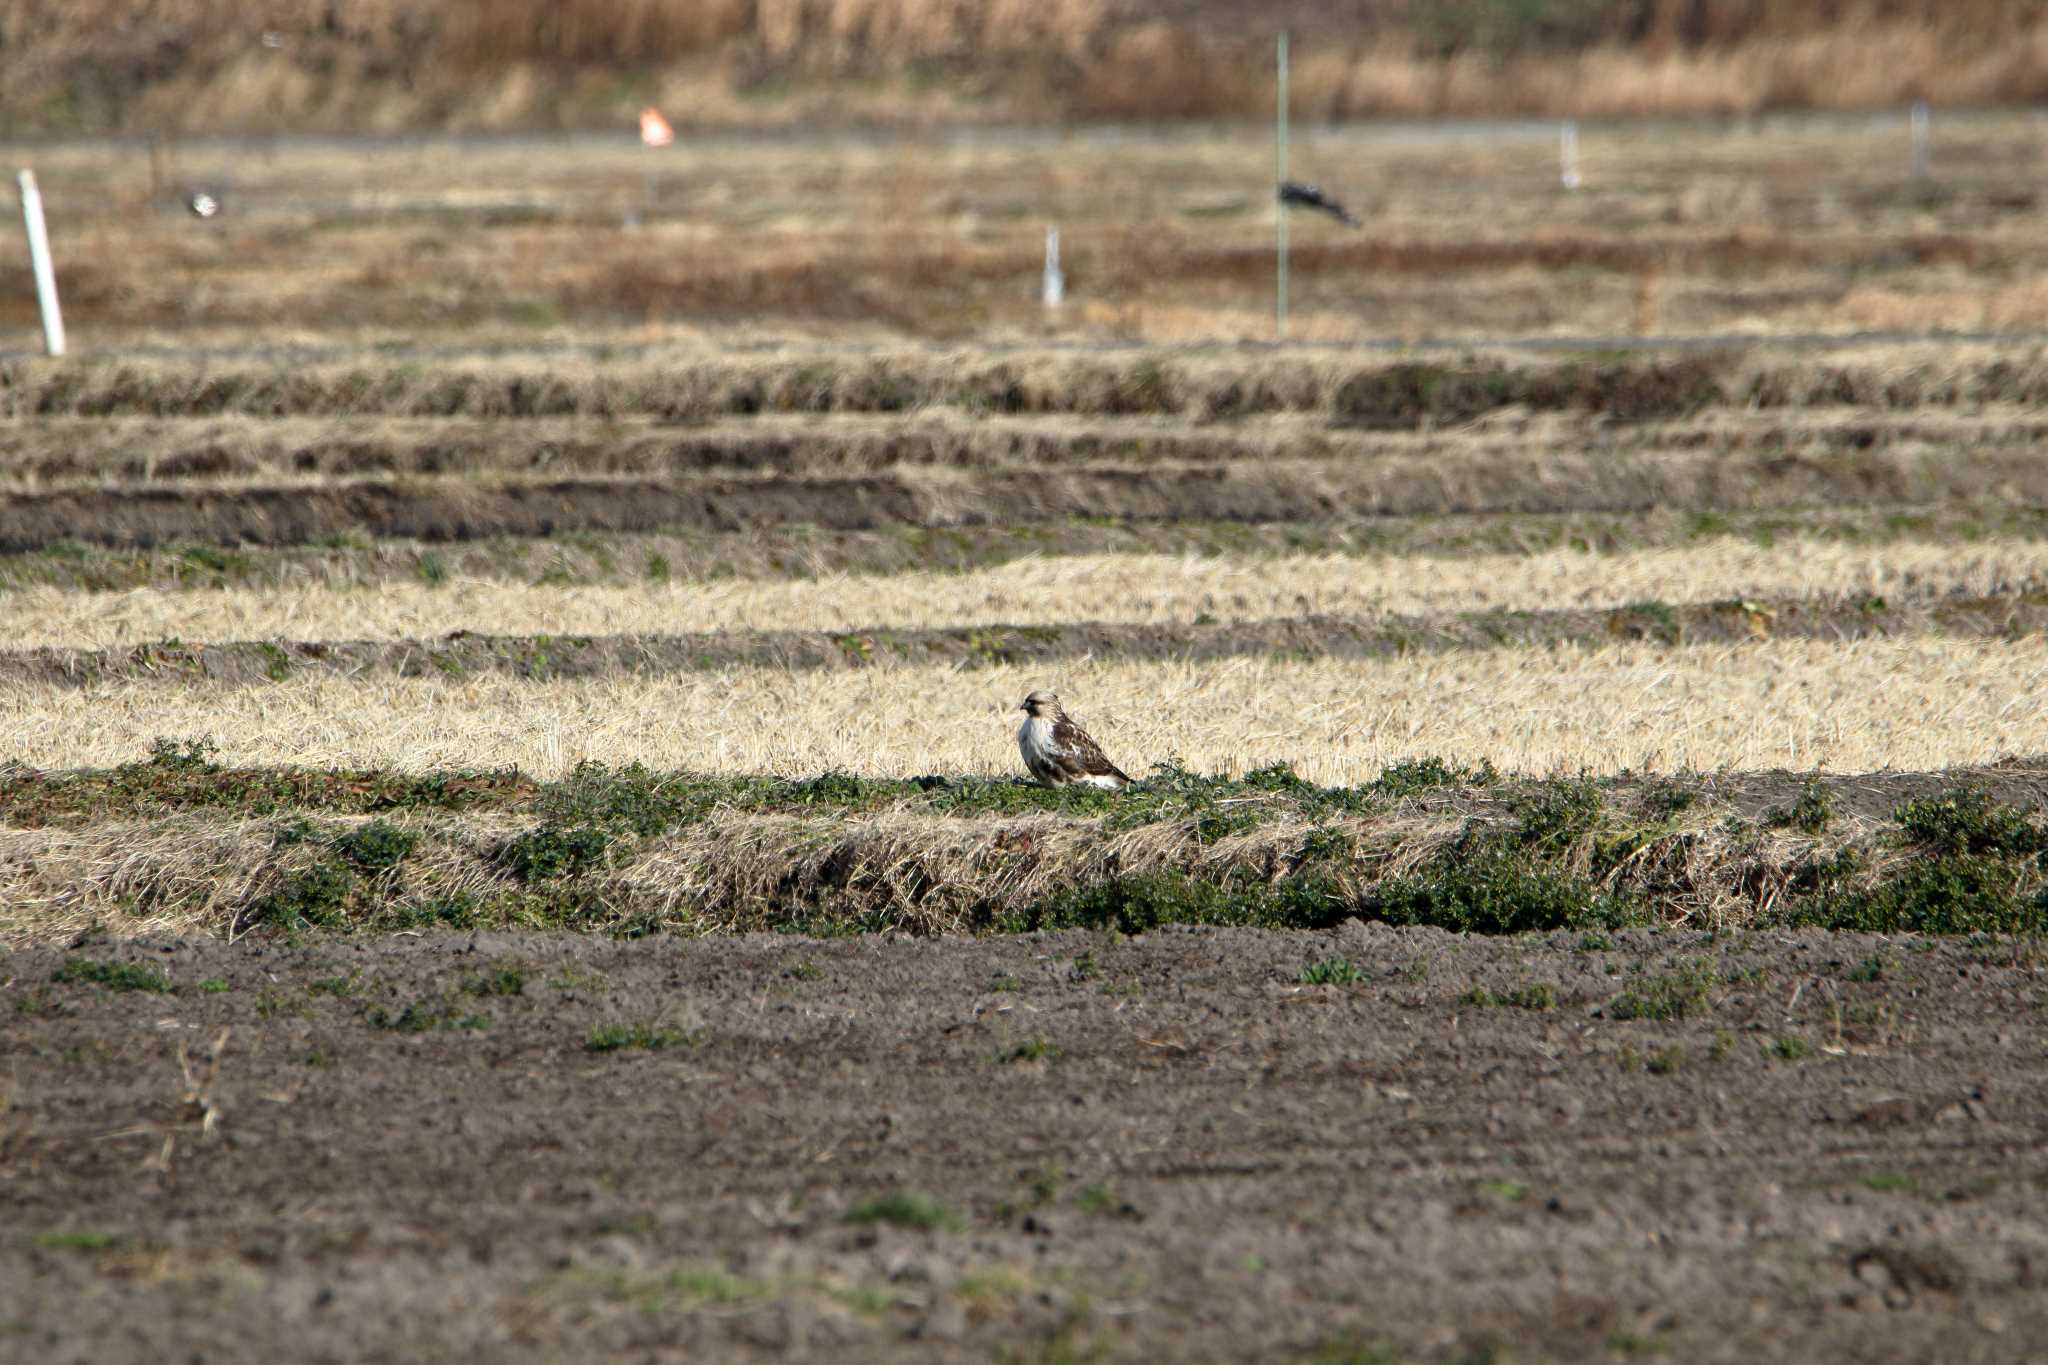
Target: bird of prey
point(1059, 752)
point(1294, 194)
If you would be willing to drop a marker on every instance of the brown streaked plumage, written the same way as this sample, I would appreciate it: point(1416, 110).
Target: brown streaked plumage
point(1059, 752)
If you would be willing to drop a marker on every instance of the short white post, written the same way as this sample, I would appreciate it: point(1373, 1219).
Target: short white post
point(1055, 283)
point(1921, 132)
point(1568, 155)
point(39, 261)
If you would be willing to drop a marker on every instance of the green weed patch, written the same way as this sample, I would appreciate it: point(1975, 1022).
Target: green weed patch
point(114, 976)
point(1973, 865)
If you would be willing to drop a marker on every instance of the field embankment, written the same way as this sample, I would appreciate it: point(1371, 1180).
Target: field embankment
point(231, 851)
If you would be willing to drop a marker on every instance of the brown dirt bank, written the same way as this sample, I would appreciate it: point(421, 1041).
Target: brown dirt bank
point(1504, 481)
point(1086, 1147)
point(464, 653)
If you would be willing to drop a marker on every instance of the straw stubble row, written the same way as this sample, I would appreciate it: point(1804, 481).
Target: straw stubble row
point(1135, 589)
point(1922, 702)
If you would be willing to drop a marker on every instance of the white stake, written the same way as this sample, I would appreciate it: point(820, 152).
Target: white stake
point(39, 261)
point(1921, 131)
point(1568, 154)
point(1055, 283)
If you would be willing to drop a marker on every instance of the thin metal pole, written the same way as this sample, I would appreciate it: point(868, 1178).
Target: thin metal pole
point(39, 261)
point(1921, 119)
point(1280, 144)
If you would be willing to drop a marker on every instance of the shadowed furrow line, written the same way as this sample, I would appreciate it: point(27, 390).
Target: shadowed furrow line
point(808, 552)
point(540, 657)
point(1499, 482)
point(65, 450)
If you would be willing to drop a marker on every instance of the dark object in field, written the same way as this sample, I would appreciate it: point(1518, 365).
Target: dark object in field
point(1294, 194)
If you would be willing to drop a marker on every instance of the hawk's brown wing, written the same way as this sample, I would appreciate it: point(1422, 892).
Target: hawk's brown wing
point(1077, 756)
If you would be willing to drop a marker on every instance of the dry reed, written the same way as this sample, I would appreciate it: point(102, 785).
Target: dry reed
point(190, 64)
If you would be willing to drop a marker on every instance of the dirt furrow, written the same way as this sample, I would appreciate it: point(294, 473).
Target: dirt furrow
point(1502, 483)
point(807, 553)
point(465, 653)
point(1363, 1143)
point(72, 450)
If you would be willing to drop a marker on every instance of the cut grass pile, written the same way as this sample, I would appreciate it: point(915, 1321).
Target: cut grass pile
point(633, 851)
point(704, 385)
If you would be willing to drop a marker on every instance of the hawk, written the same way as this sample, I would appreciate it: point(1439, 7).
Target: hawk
point(1294, 193)
point(1059, 752)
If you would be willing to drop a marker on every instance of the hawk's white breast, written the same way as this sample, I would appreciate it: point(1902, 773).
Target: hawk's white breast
point(1034, 737)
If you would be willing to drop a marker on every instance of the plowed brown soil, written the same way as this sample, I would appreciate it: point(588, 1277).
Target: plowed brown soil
point(1159, 1148)
point(1505, 481)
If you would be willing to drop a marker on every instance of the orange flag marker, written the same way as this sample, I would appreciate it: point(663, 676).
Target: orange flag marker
point(654, 129)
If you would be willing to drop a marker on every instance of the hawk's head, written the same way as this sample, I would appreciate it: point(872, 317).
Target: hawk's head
point(1041, 704)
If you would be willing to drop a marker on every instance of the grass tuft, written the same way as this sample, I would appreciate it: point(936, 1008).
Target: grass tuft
point(905, 1209)
point(1810, 813)
point(1669, 995)
point(644, 1036)
point(115, 976)
point(1539, 996)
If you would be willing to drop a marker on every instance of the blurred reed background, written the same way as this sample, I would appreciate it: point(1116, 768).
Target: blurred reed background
point(175, 67)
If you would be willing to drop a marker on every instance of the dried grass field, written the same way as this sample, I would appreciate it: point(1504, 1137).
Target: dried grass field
point(1761, 227)
point(511, 839)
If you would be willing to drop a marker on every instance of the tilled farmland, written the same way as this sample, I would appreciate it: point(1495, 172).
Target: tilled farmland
point(528, 857)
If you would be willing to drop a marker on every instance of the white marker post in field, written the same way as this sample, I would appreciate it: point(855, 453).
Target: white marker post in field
point(39, 262)
point(1923, 130)
point(1568, 155)
point(1280, 209)
point(1055, 287)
